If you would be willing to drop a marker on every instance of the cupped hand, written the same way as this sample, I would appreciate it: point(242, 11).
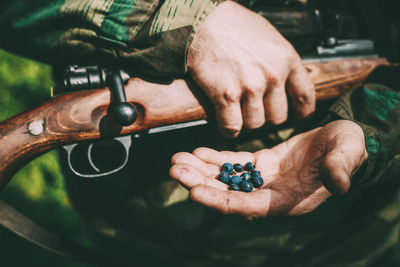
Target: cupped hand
point(299, 174)
point(247, 69)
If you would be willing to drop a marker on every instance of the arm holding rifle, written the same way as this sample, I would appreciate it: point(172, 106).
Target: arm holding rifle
point(239, 60)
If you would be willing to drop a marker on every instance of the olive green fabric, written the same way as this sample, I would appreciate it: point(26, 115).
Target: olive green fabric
point(151, 37)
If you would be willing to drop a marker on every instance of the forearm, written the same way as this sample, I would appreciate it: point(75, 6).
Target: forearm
point(376, 109)
point(149, 36)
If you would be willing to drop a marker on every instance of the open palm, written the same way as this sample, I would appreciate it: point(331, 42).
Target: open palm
point(299, 174)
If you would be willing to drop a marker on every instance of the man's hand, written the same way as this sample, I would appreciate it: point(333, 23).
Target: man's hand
point(299, 174)
point(246, 68)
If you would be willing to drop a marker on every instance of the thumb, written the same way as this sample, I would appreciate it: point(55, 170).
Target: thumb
point(345, 153)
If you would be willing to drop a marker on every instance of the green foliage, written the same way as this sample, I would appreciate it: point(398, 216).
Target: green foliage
point(23, 84)
point(38, 190)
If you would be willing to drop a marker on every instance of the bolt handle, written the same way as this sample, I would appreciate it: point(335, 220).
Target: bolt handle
point(124, 113)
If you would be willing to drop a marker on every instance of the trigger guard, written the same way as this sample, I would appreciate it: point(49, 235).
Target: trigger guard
point(126, 141)
point(89, 154)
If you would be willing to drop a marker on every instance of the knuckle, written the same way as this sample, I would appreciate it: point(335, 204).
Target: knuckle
point(307, 98)
point(254, 83)
point(274, 79)
point(230, 96)
point(253, 88)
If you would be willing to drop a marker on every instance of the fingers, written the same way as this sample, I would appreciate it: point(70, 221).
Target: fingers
point(254, 204)
point(190, 177)
point(301, 90)
point(253, 111)
point(184, 158)
point(217, 158)
point(275, 104)
point(229, 117)
point(253, 85)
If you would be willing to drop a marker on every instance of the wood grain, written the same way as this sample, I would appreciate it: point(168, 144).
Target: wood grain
point(84, 115)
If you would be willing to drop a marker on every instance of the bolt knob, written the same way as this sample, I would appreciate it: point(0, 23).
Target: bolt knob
point(125, 114)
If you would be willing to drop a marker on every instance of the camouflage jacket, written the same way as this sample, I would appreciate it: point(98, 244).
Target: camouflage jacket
point(150, 36)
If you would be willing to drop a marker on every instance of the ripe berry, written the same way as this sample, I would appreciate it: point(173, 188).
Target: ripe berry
point(258, 182)
point(255, 174)
point(238, 167)
point(228, 167)
point(246, 186)
point(234, 187)
point(249, 166)
point(246, 176)
point(235, 180)
point(224, 177)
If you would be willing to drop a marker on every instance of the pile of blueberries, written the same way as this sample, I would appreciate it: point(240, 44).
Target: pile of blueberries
point(246, 181)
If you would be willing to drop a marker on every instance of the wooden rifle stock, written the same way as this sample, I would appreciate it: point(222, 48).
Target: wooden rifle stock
point(83, 115)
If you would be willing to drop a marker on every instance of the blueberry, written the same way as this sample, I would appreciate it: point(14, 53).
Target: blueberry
point(224, 177)
point(238, 167)
point(258, 182)
point(228, 167)
point(246, 186)
point(235, 179)
point(249, 166)
point(234, 187)
point(255, 174)
point(246, 176)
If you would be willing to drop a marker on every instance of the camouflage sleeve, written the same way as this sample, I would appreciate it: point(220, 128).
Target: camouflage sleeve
point(376, 109)
point(152, 37)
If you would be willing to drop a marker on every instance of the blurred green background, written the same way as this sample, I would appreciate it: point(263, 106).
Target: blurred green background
point(37, 190)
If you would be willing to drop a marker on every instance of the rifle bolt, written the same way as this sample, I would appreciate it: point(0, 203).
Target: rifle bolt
point(36, 127)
